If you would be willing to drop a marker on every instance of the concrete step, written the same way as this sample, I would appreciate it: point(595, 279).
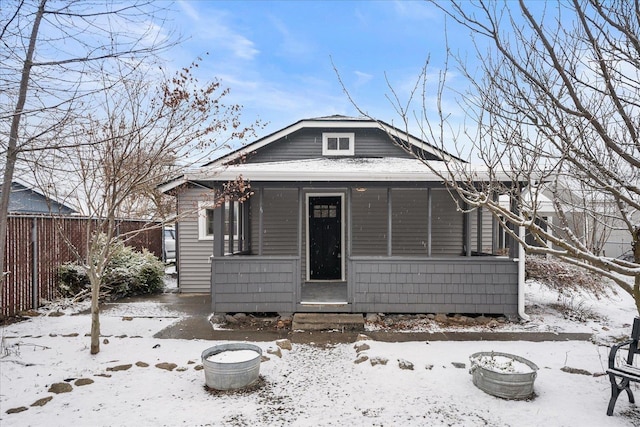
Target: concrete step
point(327, 321)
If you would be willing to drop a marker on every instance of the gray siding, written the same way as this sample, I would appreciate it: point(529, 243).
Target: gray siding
point(462, 285)
point(447, 225)
point(307, 144)
point(193, 254)
point(280, 221)
point(369, 224)
point(254, 284)
point(409, 222)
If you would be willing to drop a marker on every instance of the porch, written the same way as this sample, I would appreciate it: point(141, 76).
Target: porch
point(480, 285)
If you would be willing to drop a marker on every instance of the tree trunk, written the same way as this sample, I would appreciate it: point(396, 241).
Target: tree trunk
point(95, 316)
point(636, 259)
point(12, 146)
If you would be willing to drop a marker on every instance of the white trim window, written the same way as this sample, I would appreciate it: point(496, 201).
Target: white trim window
point(338, 144)
point(205, 221)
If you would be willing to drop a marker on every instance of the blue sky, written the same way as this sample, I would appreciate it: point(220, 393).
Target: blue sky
point(276, 57)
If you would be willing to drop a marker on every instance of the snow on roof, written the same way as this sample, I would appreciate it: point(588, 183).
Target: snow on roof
point(332, 169)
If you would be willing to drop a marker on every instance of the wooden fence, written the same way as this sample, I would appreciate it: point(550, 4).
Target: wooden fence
point(37, 245)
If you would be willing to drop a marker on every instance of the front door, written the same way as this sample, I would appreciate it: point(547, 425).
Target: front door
point(325, 238)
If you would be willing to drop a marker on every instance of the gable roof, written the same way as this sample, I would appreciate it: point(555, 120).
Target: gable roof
point(26, 199)
point(323, 169)
point(335, 122)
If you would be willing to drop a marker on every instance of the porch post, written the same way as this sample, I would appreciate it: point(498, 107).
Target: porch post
point(429, 220)
point(494, 227)
point(479, 231)
point(218, 230)
point(232, 226)
point(389, 222)
point(467, 230)
point(260, 218)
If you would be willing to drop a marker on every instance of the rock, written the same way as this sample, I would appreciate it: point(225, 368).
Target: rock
point(103, 375)
point(362, 358)
point(459, 365)
point(217, 318)
point(441, 318)
point(483, 320)
point(16, 410)
point(198, 368)
point(75, 334)
point(121, 336)
point(428, 367)
point(361, 347)
point(575, 371)
point(83, 381)
point(181, 369)
point(120, 367)
point(378, 361)
point(264, 358)
point(431, 316)
point(405, 364)
point(241, 317)
point(372, 318)
point(127, 318)
point(52, 335)
point(58, 388)
point(55, 314)
point(275, 352)
point(105, 341)
point(43, 401)
point(166, 366)
point(284, 344)
point(230, 319)
point(142, 364)
point(191, 362)
point(363, 337)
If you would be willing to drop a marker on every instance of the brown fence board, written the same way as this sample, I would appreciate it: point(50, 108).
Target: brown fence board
point(55, 238)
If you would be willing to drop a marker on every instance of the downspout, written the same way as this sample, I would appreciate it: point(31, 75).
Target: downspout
point(521, 276)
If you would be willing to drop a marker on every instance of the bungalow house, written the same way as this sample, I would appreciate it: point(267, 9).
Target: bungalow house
point(340, 218)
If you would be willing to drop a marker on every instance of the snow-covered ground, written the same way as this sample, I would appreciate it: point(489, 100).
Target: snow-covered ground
point(308, 385)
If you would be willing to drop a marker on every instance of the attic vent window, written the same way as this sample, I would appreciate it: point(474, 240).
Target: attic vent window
point(338, 144)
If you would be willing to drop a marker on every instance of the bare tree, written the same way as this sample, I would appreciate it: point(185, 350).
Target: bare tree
point(52, 54)
point(555, 103)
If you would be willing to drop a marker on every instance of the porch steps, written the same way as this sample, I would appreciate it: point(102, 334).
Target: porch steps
point(327, 321)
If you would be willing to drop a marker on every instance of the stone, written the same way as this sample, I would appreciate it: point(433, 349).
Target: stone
point(142, 364)
point(459, 365)
point(105, 341)
point(43, 401)
point(372, 318)
point(240, 317)
point(191, 362)
point(55, 314)
point(428, 367)
point(127, 318)
point(230, 319)
point(83, 381)
point(120, 367)
point(405, 364)
point(264, 358)
point(284, 344)
point(441, 318)
point(363, 337)
point(181, 369)
point(17, 410)
point(198, 368)
point(103, 375)
point(72, 335)
point(58, 388)
point(166, 366)
point(275, 351)
point(361, 347)
point(362, 358)
point(378, 361)
point(575, 371)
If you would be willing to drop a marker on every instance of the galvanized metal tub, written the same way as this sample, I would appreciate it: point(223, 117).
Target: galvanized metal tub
point(231, 375)
point(497, 382)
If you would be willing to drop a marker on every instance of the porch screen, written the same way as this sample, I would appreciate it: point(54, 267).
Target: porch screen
point(369, 221)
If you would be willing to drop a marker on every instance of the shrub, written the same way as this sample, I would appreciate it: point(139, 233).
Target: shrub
point(128, 273)
point(564, 277)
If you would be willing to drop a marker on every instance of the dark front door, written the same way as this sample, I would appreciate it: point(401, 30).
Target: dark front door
point(325, 238)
